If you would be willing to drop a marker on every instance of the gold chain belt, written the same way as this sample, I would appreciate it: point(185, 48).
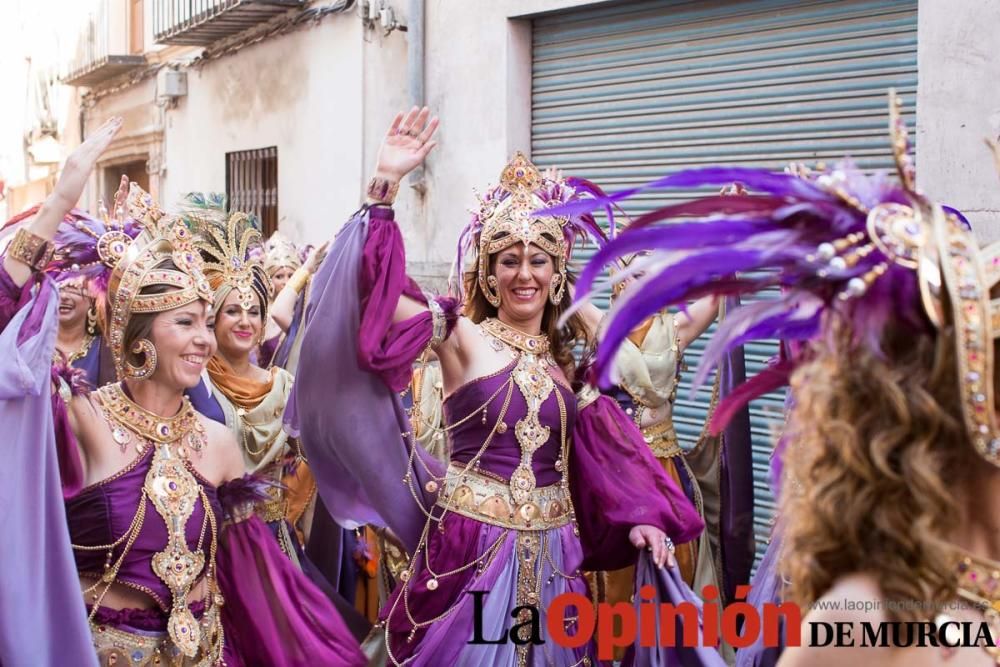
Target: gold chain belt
point(662, 439)
point(489, 500)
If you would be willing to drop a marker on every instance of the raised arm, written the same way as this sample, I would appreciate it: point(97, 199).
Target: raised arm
point(42, 229)
point(405, 146)
point(283, 309)
point(699, 316)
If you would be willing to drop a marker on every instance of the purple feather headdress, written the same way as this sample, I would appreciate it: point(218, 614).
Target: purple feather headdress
point(80, 241)
point(870, 248)
point(512, 212)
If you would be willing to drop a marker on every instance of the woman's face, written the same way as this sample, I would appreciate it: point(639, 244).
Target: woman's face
point(280, 279)
point(74, 303)
point(184, 343)
point(524, 274)
point(237, 331)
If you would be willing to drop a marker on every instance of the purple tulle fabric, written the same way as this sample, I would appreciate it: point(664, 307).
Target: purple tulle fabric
point(617, 484)
point(273, 615)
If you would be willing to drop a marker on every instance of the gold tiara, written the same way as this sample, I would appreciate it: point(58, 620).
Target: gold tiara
point(508, 218)
point(163, 237)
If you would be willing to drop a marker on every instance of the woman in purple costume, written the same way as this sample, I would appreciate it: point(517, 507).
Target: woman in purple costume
point(173, 566)
point(542, 482)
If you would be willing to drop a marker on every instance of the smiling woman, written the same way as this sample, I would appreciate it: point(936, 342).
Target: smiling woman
point(145, 478)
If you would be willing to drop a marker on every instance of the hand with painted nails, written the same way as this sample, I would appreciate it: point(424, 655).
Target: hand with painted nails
point(656, 541)
point(406, 144)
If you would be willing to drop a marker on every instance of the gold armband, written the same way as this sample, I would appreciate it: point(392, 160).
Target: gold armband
point(30, 249)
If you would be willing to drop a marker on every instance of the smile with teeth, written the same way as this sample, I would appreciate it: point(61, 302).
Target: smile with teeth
point(195, 359)
point(525, 292)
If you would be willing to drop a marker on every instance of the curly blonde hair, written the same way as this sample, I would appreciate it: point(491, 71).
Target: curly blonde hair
point(876, 451)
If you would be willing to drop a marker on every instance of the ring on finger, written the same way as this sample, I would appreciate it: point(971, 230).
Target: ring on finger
point(670, 544)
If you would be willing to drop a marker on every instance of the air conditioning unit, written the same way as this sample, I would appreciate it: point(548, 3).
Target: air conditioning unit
point(171, 84)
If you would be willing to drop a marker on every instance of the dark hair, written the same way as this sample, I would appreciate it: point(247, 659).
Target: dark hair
point(562, 340)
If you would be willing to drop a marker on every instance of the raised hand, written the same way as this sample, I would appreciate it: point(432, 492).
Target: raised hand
point(79, 164)
point(406, 144)
point(316, 257)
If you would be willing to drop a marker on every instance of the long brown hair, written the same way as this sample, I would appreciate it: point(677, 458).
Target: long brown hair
point(876, 452)
point(562, 340)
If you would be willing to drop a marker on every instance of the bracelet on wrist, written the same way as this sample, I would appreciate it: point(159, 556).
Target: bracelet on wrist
point(31, 249)
point(299, 279)
point(382, 190)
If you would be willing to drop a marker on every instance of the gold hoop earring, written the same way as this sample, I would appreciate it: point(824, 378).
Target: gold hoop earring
point(144, 347)
point(92, 321)
point(556, 293)
point(489, 291)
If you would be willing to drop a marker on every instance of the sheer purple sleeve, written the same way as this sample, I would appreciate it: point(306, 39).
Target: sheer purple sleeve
point(616, 484)
point(12, 299)
point(385, 348)
point(273, 615)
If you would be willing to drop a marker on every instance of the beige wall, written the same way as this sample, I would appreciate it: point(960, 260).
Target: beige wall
point(300, 92)
point(958, 105)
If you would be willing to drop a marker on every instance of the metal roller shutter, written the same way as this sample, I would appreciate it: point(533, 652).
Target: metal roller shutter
point(625, 92)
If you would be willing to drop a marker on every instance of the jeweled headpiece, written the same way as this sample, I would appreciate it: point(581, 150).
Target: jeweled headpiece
point(163, 237)
point(226, 243)
point(873, 250)
point(513, 212)
point(280, 253)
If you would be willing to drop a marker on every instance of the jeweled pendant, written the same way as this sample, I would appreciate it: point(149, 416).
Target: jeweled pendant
point(432, 584)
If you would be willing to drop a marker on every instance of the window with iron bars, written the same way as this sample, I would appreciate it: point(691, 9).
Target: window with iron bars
point(252, 185)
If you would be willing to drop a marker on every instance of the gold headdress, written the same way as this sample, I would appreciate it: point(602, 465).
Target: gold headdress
point(511, 213)
point(280, 253)
point(163, 237)
point(227, 243)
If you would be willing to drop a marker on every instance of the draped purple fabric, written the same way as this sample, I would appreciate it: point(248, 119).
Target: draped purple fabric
point(273, 615)
point(616, 484)
point(384, 348)
point(356, 451)
point(670, 589)
point(42, 616)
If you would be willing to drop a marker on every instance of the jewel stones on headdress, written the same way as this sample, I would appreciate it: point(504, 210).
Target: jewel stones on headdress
point(924, 237)
point(227, 257)
point(509, 218)
point(163, 237)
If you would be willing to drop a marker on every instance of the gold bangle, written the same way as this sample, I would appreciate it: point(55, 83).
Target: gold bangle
point(299, 279)
point(31, 249)
point(382, 191)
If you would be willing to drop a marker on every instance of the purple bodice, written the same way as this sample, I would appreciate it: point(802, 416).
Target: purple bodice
point(504, 453)
point(101, 513)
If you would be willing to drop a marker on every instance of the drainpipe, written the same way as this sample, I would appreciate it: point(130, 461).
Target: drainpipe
point(415, 74)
